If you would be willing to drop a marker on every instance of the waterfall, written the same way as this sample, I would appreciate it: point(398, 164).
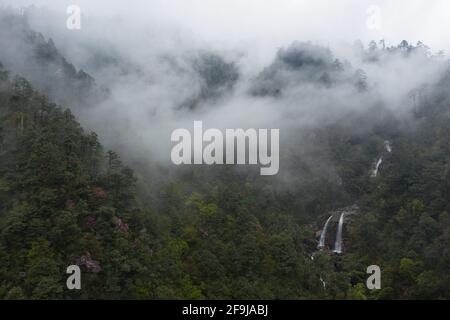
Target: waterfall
point(323, 234)
point(388, 146)
point(377, 166)
point(324, 284)
point(338, 243)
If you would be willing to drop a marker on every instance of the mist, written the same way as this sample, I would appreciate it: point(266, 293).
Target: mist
point(160, 61)
point(334, 122)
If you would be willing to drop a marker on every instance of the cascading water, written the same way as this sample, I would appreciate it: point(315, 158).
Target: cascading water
point(324, 284)
point(338, 243)
point(387, 145)
point(377, 167)
point(324, 233)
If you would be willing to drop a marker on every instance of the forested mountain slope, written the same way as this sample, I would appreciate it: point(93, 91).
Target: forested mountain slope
point(28, 53)
point(223, 232)
point(65, 201)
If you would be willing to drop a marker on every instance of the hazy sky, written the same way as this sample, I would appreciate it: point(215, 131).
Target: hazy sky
point(275, 23)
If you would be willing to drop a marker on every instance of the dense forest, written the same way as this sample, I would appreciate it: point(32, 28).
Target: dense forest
point(212, 232)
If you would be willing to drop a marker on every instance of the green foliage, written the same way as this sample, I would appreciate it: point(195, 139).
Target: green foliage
point(220, 233)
